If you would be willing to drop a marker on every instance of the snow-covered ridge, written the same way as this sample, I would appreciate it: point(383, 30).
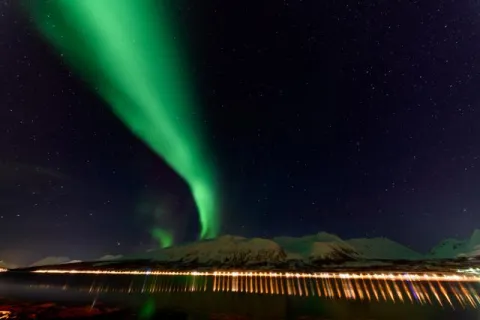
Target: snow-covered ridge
point(454, 248)
point(317, 248)
point(320, 248)
point(226, 250)
point(383, 248)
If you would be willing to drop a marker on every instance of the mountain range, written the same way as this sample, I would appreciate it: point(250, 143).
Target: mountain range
point(320, 248)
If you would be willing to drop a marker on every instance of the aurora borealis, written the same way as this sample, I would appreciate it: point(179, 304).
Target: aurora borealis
point(127, 52)
point(164, 237)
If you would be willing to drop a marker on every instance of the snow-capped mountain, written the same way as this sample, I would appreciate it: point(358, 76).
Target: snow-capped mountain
point(290, 252)
point(332, 250)
point(303, 245)
point(383, 248)
point(110, 257)
point(320, 246)
point(51, 260)
point(227, 249)
point(453, 248)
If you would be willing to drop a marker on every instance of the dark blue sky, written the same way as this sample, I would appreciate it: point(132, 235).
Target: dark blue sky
point(359, 119)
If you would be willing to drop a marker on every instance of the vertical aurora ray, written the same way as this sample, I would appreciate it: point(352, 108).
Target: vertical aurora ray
point(126, 52)
point(164, 238)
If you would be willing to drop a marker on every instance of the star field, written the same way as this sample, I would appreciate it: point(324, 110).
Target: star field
point(359, 119)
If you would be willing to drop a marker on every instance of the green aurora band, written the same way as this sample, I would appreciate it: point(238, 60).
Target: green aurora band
point(164, 238)
point(127, 52)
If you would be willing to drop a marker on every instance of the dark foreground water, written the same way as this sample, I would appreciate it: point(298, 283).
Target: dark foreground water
point(231, 298)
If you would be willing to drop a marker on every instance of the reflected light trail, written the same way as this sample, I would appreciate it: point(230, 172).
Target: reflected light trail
point(331, 275)
point(443, 289)
point(426, 289)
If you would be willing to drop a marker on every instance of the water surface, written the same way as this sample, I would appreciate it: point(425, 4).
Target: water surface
point(203, 297)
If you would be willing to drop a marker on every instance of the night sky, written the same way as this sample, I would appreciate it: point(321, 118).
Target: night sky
point(359, 119)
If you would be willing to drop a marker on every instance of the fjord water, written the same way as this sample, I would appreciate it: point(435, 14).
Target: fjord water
point(201, 297)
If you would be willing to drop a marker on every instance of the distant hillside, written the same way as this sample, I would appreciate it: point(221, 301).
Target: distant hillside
point(383, 248)
point(320, 248)
point(291, 252)
point(453, 248)
point(225, 250)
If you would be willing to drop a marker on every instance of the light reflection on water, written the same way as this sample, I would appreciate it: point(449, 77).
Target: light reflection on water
point(260, 296)
point(449, 294)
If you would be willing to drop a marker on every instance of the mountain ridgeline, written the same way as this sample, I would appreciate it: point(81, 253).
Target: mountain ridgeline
point(287, 253)
point(321, 248)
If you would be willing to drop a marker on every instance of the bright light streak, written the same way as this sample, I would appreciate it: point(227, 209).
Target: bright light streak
point(443, 289)
point(443, 277)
